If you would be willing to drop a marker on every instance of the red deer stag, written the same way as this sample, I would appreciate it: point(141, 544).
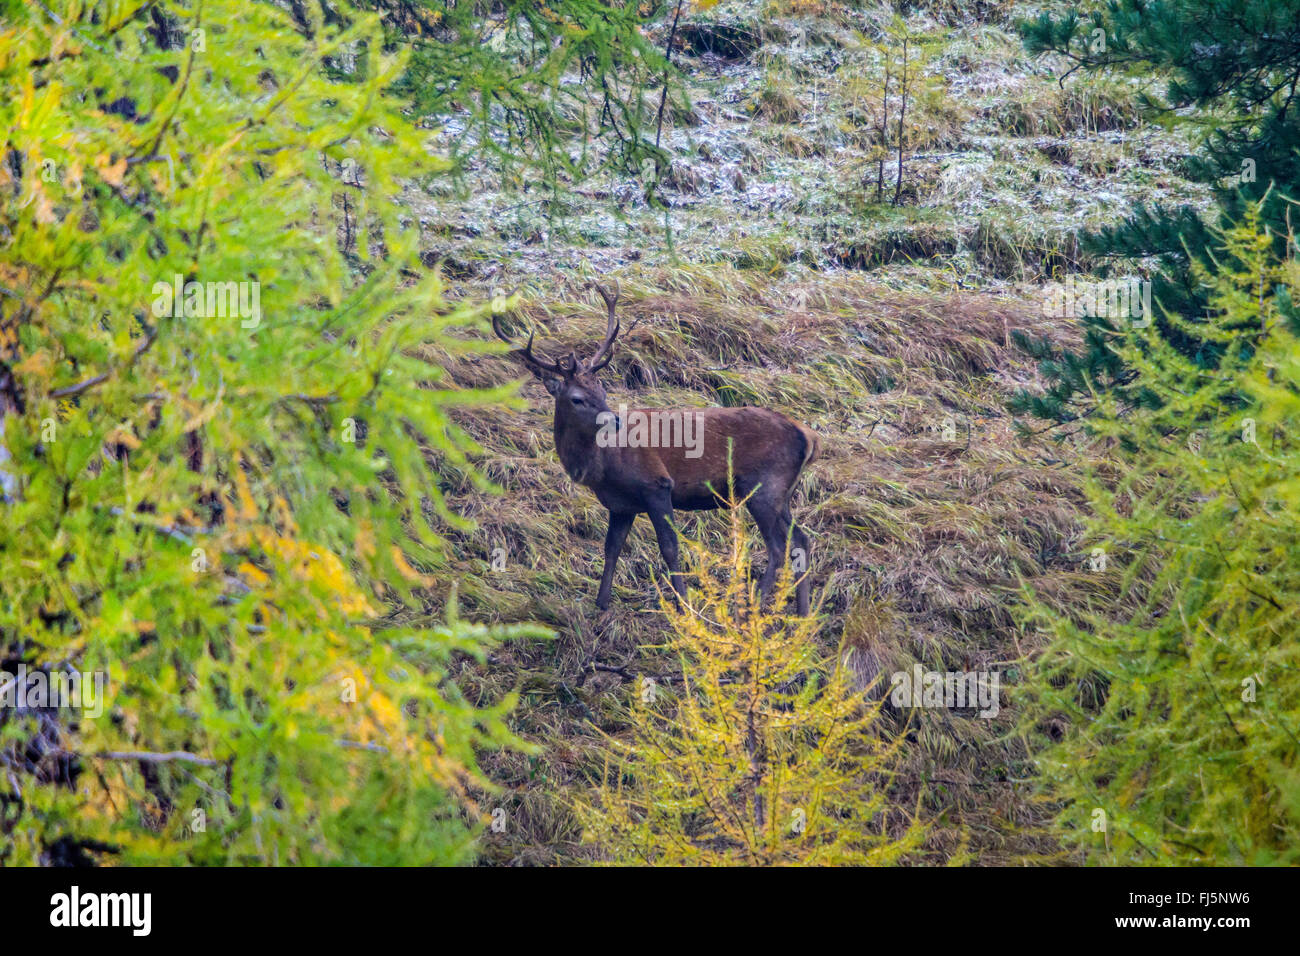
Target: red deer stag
point(665, 459)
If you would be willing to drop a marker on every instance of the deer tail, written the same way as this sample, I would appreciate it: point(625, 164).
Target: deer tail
point(812, 445)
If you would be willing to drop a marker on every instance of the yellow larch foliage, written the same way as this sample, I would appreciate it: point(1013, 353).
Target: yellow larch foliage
point(768, 754)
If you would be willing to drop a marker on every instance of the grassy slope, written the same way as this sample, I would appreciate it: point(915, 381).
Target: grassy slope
point(920, 543)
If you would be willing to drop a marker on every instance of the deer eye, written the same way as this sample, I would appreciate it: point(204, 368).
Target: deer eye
point(577, 400)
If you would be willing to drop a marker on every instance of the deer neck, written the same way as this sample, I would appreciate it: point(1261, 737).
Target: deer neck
point(582, 458)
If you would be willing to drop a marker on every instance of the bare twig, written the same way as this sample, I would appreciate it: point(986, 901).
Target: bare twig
point(668, 57)
point(77, 388)
point(171, 756)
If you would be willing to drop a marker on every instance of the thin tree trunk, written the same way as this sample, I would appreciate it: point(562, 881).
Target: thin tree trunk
point(756, 769)
point(884, 139)
point(902, 114)
point(754, 745)
point(10, 401)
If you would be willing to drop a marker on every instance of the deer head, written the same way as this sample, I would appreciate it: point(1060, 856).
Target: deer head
point(580, 401)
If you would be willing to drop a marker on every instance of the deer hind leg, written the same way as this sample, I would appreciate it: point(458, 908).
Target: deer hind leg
point(619, 525)
point(800, 559)
point(773, 529)
point(785, 540)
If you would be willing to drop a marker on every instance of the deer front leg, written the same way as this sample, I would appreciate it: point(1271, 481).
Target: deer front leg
point(619, 525)
point(661, 516)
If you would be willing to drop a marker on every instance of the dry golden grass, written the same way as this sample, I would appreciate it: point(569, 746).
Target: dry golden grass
point(926, 513)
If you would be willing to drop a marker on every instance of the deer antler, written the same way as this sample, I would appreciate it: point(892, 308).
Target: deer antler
point(526, 353)
point(605, 352)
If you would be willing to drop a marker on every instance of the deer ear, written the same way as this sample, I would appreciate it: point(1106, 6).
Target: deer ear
point(546, 376)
